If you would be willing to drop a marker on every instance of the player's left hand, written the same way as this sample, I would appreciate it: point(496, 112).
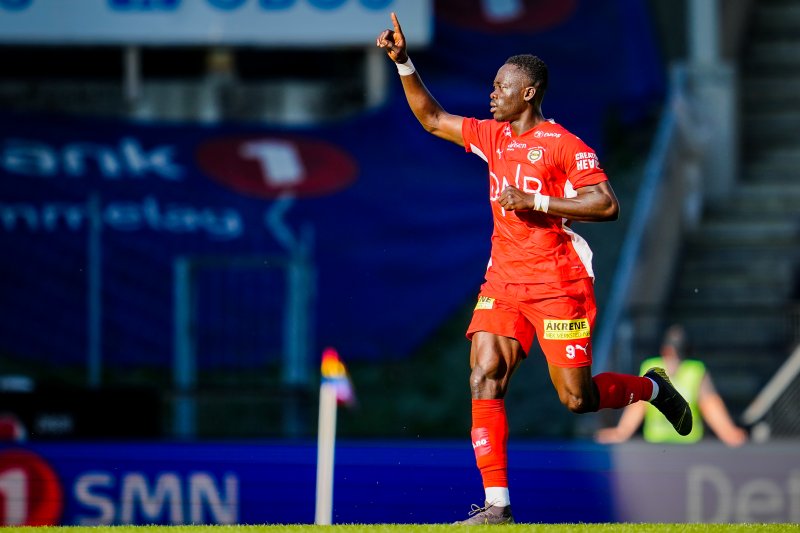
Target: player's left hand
point(394, 42)
point(513, 199)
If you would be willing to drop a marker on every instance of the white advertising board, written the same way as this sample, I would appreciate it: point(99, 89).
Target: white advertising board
point(707, 482)
point(292, 23)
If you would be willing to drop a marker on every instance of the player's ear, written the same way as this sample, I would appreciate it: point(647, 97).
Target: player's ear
point(529, 93)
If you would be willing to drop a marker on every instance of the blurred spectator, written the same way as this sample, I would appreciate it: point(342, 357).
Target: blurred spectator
point(693, 380)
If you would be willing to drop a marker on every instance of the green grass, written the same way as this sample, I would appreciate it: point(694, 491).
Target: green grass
point(425, 528)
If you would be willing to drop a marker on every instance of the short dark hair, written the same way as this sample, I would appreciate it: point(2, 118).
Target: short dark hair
point(675, 336)
point(533, 67)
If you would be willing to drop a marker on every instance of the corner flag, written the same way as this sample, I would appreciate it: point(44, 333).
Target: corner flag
point(335, 389)
point(335, 374)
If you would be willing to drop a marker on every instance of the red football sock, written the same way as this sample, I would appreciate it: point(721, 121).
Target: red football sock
point(618, 390)
point(490, 440)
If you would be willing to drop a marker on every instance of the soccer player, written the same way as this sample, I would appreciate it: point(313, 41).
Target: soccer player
point(539, 280)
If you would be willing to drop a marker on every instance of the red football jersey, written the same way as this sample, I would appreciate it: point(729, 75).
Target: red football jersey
point(531, 246)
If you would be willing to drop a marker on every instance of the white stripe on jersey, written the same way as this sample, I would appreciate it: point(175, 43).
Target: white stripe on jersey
point(582, 249)
point(477, 151)
point(578, 243)
point(569, 190)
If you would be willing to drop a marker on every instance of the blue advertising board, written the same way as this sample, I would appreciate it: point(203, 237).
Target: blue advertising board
point(380, 230)
point(86, 483)
point(94, 483)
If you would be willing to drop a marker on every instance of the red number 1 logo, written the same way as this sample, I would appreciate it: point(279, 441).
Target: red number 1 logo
point(30, 492)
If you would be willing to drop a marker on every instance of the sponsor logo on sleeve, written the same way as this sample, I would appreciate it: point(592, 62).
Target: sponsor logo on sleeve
point(586, 161)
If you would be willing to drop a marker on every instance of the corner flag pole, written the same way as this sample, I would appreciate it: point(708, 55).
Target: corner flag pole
point(335, 388)
point(326, 442)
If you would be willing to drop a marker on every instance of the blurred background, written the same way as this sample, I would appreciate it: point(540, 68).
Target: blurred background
point(198, 197)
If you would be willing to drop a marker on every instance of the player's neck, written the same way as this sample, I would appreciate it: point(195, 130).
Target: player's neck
point(527, 121)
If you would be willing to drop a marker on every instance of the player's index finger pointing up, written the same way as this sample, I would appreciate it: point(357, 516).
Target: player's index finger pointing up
point(396, 23)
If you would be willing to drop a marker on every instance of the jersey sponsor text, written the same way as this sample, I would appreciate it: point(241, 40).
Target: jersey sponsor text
point(566, 329)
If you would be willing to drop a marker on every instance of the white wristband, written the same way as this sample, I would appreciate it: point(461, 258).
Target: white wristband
point(541, 202)
point(407, 68)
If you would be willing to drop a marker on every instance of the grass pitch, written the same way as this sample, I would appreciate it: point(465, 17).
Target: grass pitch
point(427, 528)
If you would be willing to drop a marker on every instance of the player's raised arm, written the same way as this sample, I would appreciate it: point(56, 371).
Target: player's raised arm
point(424, 106)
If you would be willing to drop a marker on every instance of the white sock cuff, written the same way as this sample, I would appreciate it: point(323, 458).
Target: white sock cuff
point(498, 496)
point(655, 390)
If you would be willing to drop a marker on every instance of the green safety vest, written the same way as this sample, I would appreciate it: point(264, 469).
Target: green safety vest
point(687, 381)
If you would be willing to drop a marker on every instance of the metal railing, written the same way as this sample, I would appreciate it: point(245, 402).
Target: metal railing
point(773, 413)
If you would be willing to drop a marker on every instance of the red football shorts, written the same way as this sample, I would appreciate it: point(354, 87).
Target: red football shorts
point(561, 315)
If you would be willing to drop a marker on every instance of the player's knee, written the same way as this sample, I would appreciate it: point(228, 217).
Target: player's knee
point(578, 403)
point(479, 376)
point(485, 381)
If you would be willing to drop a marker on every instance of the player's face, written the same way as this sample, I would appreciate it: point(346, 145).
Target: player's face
point(507, 100)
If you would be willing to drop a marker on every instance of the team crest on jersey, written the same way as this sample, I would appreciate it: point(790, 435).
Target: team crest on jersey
point(535, 154)
point(484, 302)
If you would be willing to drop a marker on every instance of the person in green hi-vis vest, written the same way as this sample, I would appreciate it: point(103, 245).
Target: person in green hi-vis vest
point(693, 381)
